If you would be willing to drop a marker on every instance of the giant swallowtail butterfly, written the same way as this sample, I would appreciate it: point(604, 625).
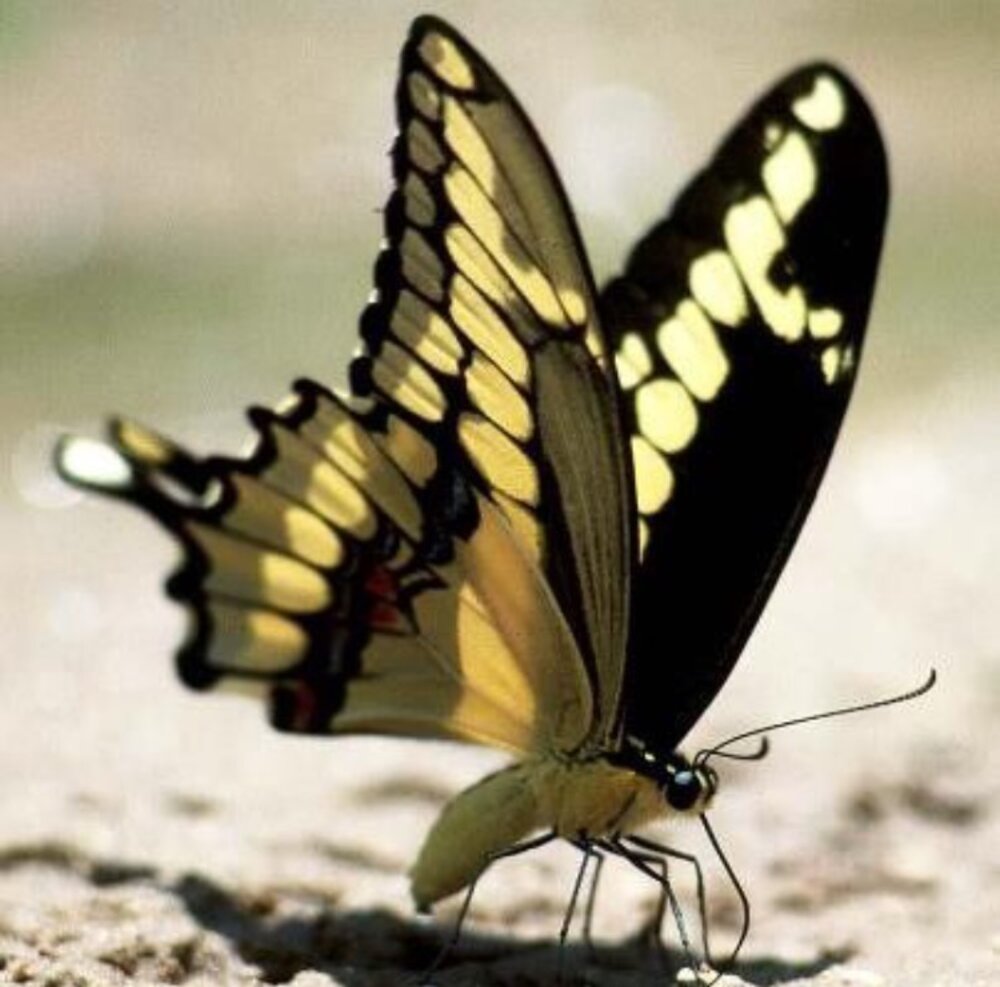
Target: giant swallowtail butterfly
point(542, 517)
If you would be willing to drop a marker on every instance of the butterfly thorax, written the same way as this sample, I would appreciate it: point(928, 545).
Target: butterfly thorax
point(576, 798)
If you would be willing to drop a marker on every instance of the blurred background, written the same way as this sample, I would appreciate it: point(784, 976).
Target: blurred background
point(189, 214)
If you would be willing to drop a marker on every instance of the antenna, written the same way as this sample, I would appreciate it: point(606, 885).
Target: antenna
point(719, 749)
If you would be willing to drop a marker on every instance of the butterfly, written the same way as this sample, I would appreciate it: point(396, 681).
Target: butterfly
point(542, 517)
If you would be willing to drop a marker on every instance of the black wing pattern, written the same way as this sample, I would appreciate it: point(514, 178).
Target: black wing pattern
point(409, 558)
point(738, 324)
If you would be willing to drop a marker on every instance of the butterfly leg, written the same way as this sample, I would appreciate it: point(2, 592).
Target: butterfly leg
point(491, 858)
point(588, 911)
point(647, 863)
point(590, 852)
point(652, 846)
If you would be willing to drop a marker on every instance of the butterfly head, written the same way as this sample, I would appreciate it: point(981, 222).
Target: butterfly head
point(686, 786)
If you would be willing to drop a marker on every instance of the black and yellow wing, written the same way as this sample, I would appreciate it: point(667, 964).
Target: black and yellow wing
point(410, 558)
point(738, 323)
point(470, 542)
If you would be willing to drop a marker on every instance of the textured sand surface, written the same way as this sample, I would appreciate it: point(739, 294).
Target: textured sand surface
point(152, 837)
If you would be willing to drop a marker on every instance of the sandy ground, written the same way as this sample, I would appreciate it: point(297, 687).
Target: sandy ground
point(152, 837)
point(149, 836)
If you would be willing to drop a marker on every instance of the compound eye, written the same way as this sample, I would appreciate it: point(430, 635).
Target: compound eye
point(683, 790)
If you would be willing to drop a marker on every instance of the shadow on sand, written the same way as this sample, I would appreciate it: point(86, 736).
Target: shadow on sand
point(369, 948)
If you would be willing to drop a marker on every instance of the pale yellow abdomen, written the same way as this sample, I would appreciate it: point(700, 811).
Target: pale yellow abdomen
point(573, 798)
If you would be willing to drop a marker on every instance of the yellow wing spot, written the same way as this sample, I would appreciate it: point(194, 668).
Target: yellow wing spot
point(773, 132)
point(573, 305)
point(478, 320)
point(830, 363)
point(824, 108)
point(467, 143)
point(825, 323)
point(405, 379)
point(643, 537)
point(499, 459)
point(302, 474)
point(443, 57)
point(420, 208)
point(837, 362)
point(691, 348)
point(413, 455)
point(654, 480)
point(790, 176)
point(143, 443)
point(632, 361)
point(242, 571)
point(716, 286)
point(482, 217)
point(426, 333)
point(469, 146)
point(333, 429)
point(666, 414)
point(423, 148)
point(421, 266)
point(755, 238)
point(498, 399)
point(267, 516)
point(253, 640)
point(481, 271)
point(351, 450)
point(423, 95)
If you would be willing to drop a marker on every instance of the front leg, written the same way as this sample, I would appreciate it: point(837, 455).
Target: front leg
point(653, 847)
point(647, 863)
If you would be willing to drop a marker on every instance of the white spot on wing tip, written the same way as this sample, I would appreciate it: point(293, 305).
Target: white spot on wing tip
point(93, 464)
point(825, 107)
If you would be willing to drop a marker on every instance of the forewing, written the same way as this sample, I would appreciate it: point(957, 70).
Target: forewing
point(738, 324)
point(484, 337)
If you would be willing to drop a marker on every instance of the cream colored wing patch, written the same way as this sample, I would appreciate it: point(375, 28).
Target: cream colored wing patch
point(483, 337)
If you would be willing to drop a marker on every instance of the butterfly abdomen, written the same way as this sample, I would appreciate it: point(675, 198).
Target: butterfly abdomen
point(571, 798)
point(491, 816)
